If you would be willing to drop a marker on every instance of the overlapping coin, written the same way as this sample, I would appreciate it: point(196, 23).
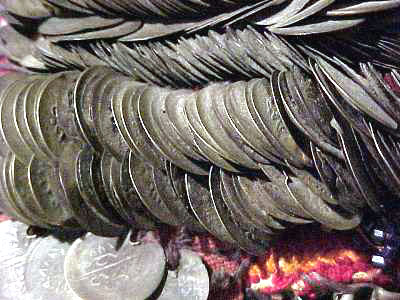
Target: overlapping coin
point(104, 153)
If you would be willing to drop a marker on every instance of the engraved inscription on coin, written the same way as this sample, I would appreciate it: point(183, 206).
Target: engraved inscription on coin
point(44, 274)
point(13, 253)
point(94, 269)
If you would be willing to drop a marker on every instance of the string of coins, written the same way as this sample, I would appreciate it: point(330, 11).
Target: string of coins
point(187, 43)
point(98, 151)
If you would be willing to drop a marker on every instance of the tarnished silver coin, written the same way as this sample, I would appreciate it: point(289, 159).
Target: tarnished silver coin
point(42, 121)
point(237, 111)
point(141, 174)
point(24, 116)
point(177, 181)
point(105, 125)
point(8, 128)
point(23, 196)
point(249, 239)
point(150, 99)
point(169, 129)
point(86, 88)
point(44, 273)
point(201, 204)
point(46, 191)
point(94, 269)
point(7, 201)
point(137, 213)
point(202, 139)
point(214, 94)
point(5, 205)
point(76, 204)
point(13, 253)
point(24, 210)
point(118, 106)
point(189, 282)
point(143, 144)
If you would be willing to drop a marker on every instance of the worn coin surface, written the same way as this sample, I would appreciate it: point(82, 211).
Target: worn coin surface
point(94, 269)
point(44, 273)
point(189, 282)
point(13, 254)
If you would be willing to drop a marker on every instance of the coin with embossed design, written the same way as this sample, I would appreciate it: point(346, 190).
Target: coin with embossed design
point(94, 269)
point(13, 252)
point(44, 273)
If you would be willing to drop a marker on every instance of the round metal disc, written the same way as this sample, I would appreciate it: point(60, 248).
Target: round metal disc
point(189, 282)
point(94, 269)
point(44, 274)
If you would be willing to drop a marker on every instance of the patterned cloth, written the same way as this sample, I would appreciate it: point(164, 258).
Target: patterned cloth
point(291, 264)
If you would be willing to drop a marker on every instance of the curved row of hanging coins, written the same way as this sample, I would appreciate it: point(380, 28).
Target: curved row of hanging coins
point(57, 35)
point(76, 20)
point(244, 160)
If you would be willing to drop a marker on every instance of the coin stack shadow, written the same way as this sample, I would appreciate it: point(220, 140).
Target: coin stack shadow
point(98, 151)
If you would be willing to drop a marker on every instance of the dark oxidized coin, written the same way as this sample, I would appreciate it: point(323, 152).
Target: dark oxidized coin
point(256, 105)
point(19, 114)
point(5, 206)
point(280, 127)
point(7, 201)
point(318, 209)
point(23, 196)
point(201, 203)
point(46, 111)
point(168, 128)
point(105, 123)
point(8, 128)
point(5, 82)
point(171, 199)
point(88, 192)
point(108, 186)
point(135, 128)
point(177, 181)
point(247, 197)
point(142, 178)
point(257, 189)
point(277, 190)
point(119, 103)
point(43, 186)
point(132, 205)
point(44, 116)
point(65, 107)
point(25, 115)
point(148, 101)
point(248, 239)
point(83, 97)
point(202, 139)
point(211, 122)
point(232, 201)
point(82, 213)
point(95, 181)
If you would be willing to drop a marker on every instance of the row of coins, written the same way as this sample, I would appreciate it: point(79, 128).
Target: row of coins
point(69, 20)
point(68, 269)
point(98, 151)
